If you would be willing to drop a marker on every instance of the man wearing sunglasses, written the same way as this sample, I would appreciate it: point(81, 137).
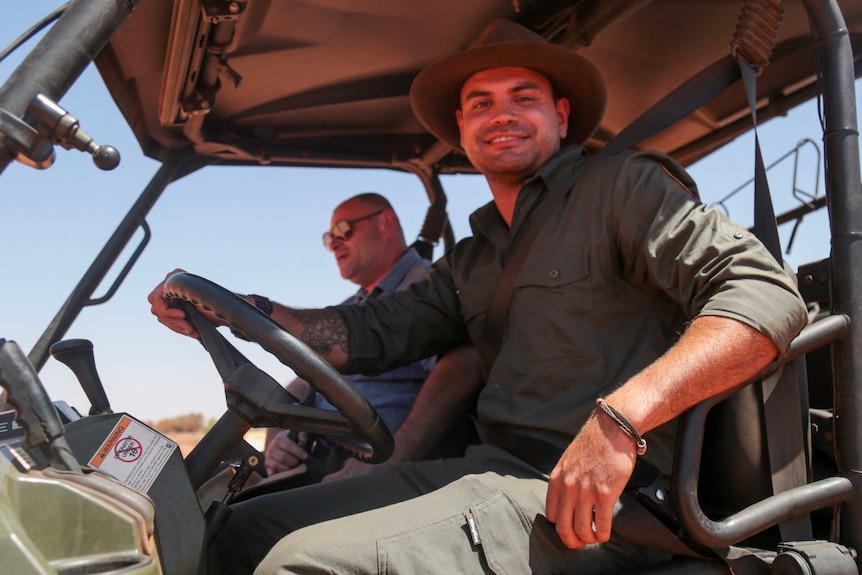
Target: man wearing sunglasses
point(368, 244)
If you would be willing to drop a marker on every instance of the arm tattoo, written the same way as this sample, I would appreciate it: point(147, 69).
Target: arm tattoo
point(323, 330)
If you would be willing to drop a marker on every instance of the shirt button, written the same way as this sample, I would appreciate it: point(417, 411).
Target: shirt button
point(554, 273)
point(737, 235)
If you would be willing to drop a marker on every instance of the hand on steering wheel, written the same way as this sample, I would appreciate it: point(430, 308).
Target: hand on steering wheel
point(256, 399)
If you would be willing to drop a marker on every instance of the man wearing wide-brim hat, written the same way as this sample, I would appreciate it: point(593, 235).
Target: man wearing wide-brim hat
point(586, 369)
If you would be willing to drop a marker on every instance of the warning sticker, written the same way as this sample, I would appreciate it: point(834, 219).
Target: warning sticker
point(134, 454)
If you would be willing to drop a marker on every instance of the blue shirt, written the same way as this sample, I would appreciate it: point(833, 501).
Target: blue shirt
point(391, 393)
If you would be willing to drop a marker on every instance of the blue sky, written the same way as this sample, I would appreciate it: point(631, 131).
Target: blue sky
point(249, 229)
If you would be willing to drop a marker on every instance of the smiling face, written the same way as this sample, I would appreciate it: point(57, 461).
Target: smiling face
point(510, 123)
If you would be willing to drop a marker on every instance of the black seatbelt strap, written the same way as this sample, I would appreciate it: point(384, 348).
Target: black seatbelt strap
point(498, 311)
point(780, 390)
point(765, 227)
point(785, 442)
point(685, 99)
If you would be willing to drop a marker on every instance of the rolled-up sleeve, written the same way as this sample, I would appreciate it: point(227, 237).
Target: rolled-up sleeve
point(704, 261)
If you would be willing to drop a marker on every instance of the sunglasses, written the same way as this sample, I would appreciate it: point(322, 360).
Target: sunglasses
point(343, 229)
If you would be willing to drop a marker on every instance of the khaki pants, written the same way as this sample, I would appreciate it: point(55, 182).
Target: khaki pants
point(483, 513)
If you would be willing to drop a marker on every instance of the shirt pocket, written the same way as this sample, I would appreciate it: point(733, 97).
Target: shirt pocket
point(552, 309)
point(563, 265)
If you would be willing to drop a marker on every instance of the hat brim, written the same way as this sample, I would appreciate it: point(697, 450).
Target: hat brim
point(436, 91)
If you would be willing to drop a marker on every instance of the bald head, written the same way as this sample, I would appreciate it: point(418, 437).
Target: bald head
point(374, 243)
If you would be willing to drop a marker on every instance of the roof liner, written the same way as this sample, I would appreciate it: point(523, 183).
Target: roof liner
point(325, 82)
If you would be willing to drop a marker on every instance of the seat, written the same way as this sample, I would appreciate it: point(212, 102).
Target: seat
point(722, 486)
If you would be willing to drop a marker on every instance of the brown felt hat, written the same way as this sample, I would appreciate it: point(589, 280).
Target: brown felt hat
point(436, 91)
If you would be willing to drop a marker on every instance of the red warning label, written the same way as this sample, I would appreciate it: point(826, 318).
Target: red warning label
point(133, 453)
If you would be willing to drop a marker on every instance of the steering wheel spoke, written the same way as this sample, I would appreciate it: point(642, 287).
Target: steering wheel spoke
point(257, 399)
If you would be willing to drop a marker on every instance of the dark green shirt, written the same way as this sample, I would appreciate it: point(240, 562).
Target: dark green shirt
point(609, 283)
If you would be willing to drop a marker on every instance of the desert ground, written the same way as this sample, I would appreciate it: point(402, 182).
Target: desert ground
point(187, 440)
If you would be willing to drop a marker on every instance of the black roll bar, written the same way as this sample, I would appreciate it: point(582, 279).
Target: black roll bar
point(844, 198)
point(773, 510)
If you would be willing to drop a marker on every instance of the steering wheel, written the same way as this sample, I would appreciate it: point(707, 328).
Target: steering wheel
point(256, 399)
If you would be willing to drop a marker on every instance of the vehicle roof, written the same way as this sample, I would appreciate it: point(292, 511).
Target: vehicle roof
point(325, 82)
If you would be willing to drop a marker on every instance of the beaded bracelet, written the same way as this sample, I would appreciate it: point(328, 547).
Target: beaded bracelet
point(628, 428)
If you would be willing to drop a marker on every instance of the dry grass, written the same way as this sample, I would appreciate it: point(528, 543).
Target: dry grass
point(186, 440)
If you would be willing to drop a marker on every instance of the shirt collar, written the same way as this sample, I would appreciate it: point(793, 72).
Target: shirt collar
point(551, 177)
point(558, 169)
point(393, 277)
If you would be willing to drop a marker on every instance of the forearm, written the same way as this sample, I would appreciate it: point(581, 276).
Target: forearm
point(714, 354)
point(446, 396)
point(324, 330)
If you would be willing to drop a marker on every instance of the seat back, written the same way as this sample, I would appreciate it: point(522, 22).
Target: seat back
point(735, 469)
point(745, 462)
